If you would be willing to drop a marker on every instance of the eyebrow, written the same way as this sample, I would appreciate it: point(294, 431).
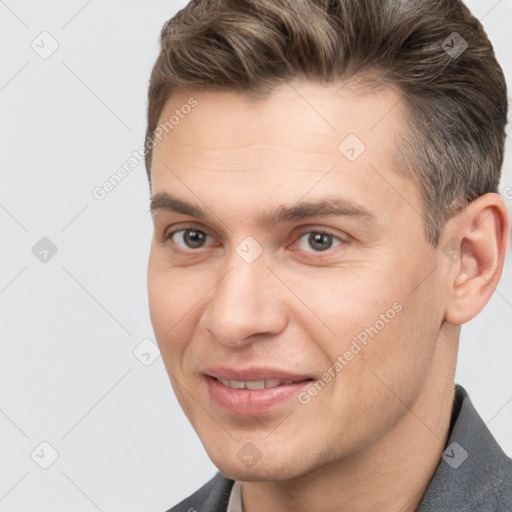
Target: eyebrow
point(330, 205)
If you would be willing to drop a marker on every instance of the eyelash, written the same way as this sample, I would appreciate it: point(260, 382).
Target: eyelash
point(302, 232)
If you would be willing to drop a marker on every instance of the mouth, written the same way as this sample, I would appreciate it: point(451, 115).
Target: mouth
point(253, 396)
point(257, 384)
point(273, 376)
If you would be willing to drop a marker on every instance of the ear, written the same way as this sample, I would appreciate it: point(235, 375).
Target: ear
point(477, 254)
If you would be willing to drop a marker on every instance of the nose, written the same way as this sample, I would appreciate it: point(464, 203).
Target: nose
point(245, 304)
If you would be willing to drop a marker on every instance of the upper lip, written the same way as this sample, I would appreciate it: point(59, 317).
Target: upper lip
point(253, 374)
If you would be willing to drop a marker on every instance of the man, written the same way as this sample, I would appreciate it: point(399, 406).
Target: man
point(324, 194)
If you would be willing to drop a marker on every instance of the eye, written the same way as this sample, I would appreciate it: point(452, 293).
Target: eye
point(191, 238)
point(320, 241)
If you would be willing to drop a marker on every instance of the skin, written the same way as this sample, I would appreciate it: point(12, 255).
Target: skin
point(372, 438)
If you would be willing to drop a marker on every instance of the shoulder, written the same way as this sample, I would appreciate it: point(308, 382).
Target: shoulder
point(495, 493)
point(212, 496)
point(474, 473)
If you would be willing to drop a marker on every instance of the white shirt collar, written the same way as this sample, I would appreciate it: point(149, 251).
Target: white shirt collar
point(235, 498)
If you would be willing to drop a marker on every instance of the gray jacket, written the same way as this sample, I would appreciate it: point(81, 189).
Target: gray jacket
point(473, 475)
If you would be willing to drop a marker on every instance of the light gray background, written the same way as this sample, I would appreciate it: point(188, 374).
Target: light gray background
point(68, 374)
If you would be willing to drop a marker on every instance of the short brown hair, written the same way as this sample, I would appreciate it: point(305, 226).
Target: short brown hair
point(453, 142)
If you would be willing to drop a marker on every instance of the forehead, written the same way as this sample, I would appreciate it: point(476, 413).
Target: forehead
point(300, 107)
point(302, 117)
point(305, 138)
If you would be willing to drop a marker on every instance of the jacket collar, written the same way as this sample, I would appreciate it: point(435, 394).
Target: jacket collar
point(474, 474)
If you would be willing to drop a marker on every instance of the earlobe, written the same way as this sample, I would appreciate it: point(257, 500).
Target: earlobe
point(477, 255)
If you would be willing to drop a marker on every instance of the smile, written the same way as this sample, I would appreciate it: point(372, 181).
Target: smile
point(255, 384)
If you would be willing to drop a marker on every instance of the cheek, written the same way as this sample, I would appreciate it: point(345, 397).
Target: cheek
point(400, 355)
point(375, 323)
point(168, 306)
point(348, 307)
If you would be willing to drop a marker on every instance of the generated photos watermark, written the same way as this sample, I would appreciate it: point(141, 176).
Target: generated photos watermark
point(343, 360)
point(100, 192)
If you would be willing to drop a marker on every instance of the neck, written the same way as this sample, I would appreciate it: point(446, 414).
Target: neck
point(390, 475)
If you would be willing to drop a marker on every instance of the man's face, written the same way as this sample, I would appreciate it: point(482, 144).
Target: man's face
point(230, 293)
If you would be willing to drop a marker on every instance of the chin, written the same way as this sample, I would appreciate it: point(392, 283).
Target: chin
point(263, 473)
point(265, 469)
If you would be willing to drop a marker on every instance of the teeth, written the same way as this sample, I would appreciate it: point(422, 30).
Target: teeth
point(233, 384)
point(254, 384)
point(272, 383)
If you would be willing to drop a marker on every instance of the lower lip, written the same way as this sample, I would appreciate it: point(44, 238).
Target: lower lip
point(251, 401)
